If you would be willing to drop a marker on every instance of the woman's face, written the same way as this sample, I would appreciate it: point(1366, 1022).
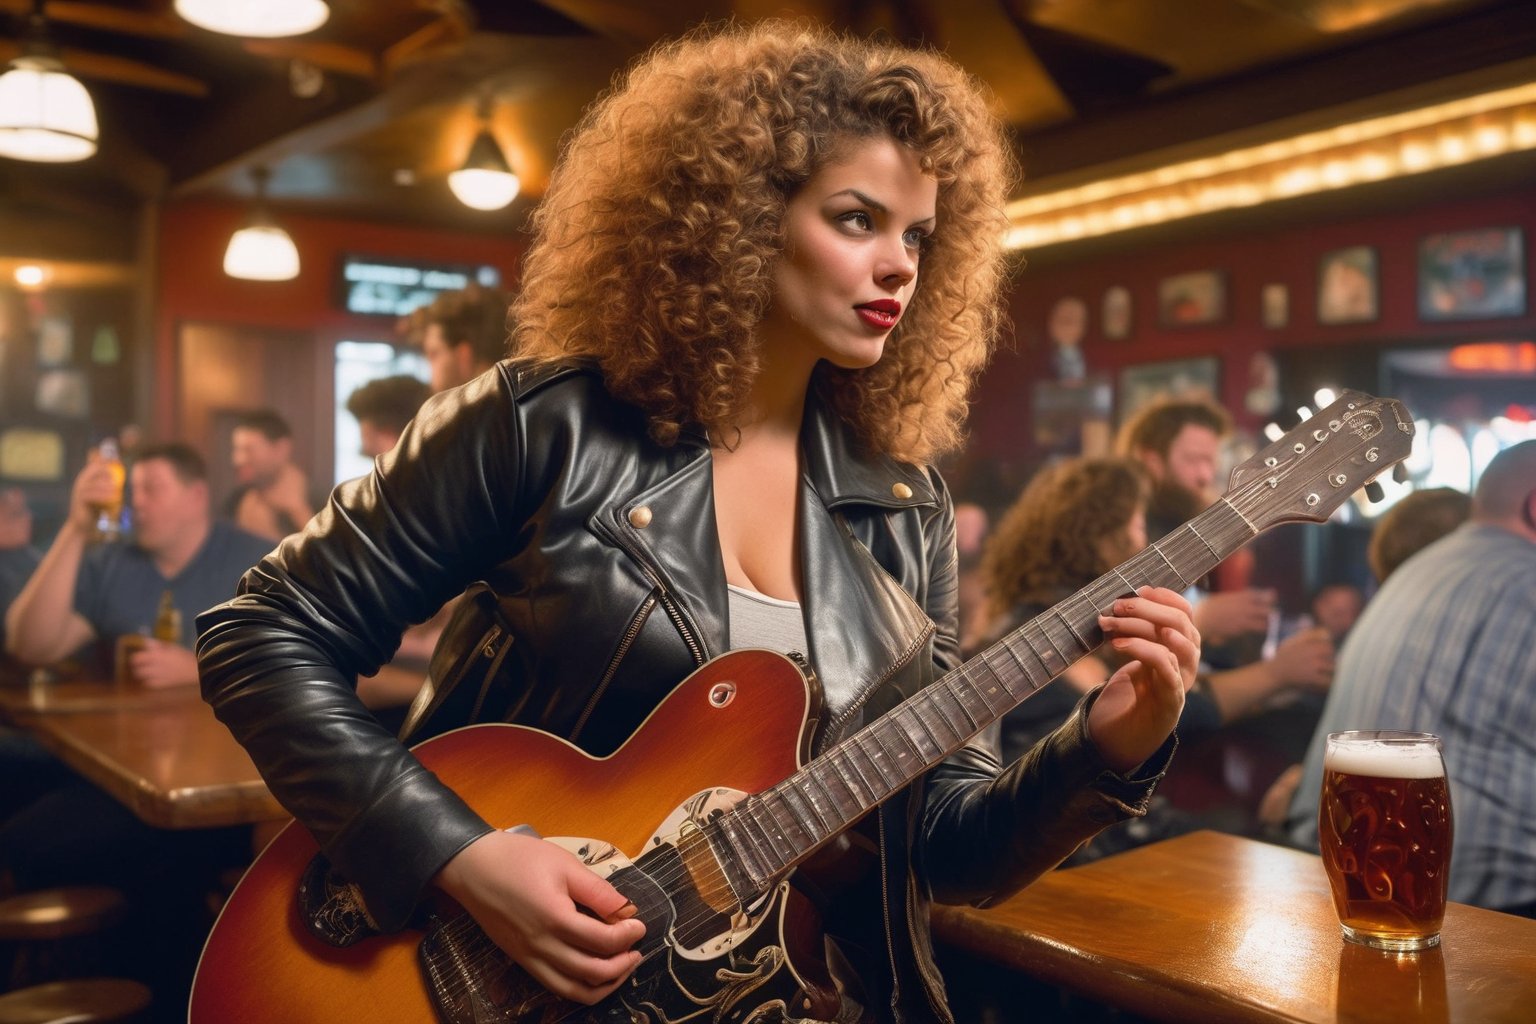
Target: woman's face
point(853, 236)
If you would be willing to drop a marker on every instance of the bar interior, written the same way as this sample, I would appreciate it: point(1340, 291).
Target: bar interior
point(1267, 338)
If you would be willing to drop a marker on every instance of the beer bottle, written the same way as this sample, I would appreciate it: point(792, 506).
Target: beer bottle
point(168, 620)
point(109, 514)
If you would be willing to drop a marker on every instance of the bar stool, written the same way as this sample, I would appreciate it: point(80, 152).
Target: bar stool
point(52, 933)
point(83, 1001)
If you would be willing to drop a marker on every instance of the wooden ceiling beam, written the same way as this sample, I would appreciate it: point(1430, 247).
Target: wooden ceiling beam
point(121, 70)
point(332, 57)
point(151, 25)
point(1481, 41)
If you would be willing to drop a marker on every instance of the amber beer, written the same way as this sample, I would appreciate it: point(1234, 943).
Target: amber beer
point(1384, 830)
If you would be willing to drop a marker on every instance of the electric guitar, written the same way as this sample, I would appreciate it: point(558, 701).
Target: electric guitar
point(705, 845)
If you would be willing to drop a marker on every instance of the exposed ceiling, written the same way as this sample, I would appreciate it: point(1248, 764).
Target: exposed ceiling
point(367, 115)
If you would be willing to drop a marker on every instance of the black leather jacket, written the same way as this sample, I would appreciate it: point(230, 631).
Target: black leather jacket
point(534, 480)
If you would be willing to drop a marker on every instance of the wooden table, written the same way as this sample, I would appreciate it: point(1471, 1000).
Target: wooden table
point(1216, 928)
point(161, 752)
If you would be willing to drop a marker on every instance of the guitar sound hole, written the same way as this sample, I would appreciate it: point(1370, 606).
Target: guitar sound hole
point(722, 694)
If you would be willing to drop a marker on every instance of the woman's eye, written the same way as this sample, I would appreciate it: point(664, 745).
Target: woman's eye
point(858, 219)
point(916, 238)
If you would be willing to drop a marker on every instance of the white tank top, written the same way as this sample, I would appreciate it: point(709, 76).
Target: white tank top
point(758, 620)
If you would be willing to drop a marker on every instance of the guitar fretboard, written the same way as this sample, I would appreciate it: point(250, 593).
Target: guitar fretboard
point(771, 831)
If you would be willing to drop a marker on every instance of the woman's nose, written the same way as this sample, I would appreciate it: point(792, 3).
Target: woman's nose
point(898, 264)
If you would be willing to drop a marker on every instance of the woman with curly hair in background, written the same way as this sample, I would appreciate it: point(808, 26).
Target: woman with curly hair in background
point(762, 282)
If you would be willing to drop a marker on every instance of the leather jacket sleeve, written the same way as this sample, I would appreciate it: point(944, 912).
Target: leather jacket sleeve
point(279, 662)
point(985, 832)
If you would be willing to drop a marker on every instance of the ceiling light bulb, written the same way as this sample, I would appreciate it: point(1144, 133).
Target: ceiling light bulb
point(31, 275)
point(45, 113)
point(486, 181)
point(261, 252)
point(267, 19)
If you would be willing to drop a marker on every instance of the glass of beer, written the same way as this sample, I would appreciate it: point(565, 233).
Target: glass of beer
point(1384, 829)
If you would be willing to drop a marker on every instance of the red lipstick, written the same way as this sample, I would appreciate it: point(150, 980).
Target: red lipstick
point(881, 314)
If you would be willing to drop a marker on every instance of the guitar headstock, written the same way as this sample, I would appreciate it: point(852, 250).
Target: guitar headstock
point(1317, 465)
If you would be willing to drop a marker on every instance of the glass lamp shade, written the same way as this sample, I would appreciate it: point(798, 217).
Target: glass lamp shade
point(261, 252)
point(266, 19)
point(45, 114)
point(485, 182)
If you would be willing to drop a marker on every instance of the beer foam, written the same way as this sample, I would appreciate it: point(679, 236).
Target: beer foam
point(1386, 760)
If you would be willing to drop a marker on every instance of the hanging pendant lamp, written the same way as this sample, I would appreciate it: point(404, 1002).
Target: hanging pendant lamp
point(261, 250)
point(485, 181)
point(46, 115)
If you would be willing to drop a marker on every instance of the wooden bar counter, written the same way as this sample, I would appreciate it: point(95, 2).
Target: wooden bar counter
point(160, 752)
point(1215, 928)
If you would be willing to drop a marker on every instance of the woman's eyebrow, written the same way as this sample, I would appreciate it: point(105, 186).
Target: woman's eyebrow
point(875, 204)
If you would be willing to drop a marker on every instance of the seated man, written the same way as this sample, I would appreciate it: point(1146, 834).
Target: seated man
point(83, 592)
point(1448, 645)
point(274, 498)
point(77, 834)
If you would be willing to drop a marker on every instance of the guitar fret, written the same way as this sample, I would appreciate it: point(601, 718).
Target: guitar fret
point(943, 719)
point(885, 762)
point(1209, 546)
point(1072, 629)
point(1051, 670)
point(745, 850)
point(1034, 679)
point(960, 696)
point(1253, 531)
point(994, 695)
point(776, 801)
point(1130, 587)
point(766, 849)
point(839, 760)
point(803, 810)
point(921, 732)
point(816, 779)
point(1176, 574)
point(872, 795)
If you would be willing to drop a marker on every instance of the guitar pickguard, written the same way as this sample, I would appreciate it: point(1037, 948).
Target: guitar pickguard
point(742, 973)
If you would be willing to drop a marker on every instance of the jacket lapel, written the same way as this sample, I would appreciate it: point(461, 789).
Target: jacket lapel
point(669, 528)
point(863, 625)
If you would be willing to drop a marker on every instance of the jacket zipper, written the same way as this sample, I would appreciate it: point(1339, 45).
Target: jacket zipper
point(613, 666)
point(885, 912)
point(695, 646)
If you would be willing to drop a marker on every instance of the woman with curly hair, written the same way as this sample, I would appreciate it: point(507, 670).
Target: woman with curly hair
point(762, 282)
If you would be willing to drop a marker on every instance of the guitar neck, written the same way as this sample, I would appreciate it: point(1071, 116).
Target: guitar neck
point(770, 832)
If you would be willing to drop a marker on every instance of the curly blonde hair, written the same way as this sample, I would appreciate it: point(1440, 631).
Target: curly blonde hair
point(1050, 540)
point(654, 248)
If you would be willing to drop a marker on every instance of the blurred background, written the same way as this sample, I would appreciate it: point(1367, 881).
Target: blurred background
point(1251, 199)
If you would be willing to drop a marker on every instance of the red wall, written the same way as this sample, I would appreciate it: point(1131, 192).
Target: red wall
point(193, 285)
point(1001, 417)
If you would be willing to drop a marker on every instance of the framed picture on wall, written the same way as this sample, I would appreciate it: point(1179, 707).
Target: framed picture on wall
point(1175, 378)
point(1470, 275)
point(1186, 300)
point(1275, 306)
point(1115, 313)
point(1347, 286)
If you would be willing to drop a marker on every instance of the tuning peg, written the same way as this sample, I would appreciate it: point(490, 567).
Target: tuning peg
point(1373, 491)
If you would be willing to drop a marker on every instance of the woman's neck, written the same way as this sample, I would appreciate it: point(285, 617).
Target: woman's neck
point(776, 403)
